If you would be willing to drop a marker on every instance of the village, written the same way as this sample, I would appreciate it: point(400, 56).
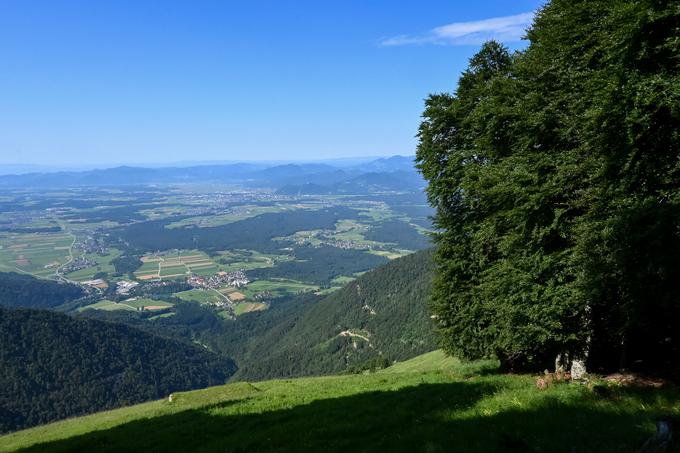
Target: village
point(234, 279)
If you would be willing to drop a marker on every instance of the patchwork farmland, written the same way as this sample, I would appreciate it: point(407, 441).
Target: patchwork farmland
point(114, 243)
point(38, 254)
point(175, 265)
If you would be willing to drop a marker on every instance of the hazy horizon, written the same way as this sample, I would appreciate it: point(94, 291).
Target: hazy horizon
point(138, 82)
point(18, 169)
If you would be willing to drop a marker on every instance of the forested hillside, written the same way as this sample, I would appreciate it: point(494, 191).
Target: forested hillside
point(381, 317)
point(377, 319)
point(53, 366)
point(19, 290)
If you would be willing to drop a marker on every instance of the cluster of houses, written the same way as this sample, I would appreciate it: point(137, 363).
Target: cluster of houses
point(263, 295)
point(235, 279)
point(347, 245)
point(77, 264)
point(91, 245)
point(96, 283)
point(124, 286)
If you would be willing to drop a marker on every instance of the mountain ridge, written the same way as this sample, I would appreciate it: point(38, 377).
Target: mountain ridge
point(256, 175)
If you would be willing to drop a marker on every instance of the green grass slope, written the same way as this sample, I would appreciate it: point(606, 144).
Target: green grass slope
point(431, 403)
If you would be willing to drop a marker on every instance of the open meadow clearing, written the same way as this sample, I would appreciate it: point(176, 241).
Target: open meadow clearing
point(132, 304)
point(201, 296)
point(235, 260)
point(107, 305)
point(248, 307)
point(276, 287)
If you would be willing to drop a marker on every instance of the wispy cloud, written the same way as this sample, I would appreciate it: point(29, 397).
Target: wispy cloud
point(504, 29)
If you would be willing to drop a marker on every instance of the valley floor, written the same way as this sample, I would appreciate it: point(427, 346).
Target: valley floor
point(430, 403)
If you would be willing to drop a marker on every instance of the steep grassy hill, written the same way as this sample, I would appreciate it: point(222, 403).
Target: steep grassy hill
point(53, 366)
point(379, 318)
point(431, 403)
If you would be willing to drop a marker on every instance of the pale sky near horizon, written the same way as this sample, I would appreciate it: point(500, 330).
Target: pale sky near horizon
point(85, 82)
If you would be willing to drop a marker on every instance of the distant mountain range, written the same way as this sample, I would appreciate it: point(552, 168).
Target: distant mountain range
point(395, 173)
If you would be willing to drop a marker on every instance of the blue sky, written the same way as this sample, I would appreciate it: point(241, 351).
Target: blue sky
point(87, 82)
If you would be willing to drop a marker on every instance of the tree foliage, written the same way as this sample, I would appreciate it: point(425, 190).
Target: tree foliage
point(555, 174)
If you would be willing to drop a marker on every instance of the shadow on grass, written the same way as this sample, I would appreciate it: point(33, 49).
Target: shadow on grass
point(426, 418)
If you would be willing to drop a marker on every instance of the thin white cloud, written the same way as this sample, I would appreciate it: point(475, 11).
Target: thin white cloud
point(503, 29)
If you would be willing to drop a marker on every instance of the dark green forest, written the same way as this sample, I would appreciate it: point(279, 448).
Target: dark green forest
point(20, 290)
point(555, 172)
point(126, 264)
point(54, 366)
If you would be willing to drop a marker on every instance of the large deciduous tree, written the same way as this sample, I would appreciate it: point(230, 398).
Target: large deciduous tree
point(555, 174)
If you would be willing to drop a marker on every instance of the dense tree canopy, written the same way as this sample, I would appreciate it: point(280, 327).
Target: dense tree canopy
point(555, 174)
point(21, 290)
point(53, 366)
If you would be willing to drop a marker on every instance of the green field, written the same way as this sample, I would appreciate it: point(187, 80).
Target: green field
point(277, 287)
point(176, 265)
point(201, 296)
point(235, 260)
point(248, 307)
point(173, 271)
point(392, 254)
point(143, 302)
point(342, 280)
point(431, 403)
point(107, 305)
point(129, 305)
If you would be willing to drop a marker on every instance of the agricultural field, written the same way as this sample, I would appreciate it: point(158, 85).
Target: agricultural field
point(277, 288)
point(154, 235)
point(391, 254)
point(176, 264)
point(133, 304)
point(201, 296)
point(108, 305)
point(234, 260)
point(147, 304)
point(37, 254)
point(248, 307)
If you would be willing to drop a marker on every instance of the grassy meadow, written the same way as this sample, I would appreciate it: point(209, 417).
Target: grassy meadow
point(430, 403)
